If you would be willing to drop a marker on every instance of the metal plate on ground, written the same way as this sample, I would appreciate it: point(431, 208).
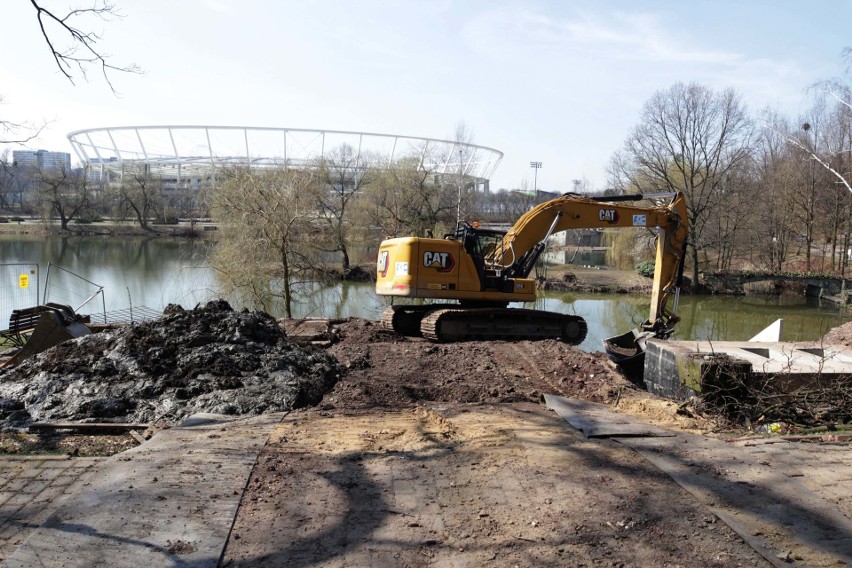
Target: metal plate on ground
point(169, 502)
point(598, 421)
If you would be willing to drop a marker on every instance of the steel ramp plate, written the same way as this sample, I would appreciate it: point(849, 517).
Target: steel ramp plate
point(598, 421)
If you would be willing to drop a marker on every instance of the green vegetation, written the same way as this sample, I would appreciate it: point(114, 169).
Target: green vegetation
point(645, 268)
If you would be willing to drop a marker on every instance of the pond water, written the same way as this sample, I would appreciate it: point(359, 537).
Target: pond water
point(156, 272)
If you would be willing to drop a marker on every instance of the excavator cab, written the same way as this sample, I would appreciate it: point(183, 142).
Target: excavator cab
point(480, 244)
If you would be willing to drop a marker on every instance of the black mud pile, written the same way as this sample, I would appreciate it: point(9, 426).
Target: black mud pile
point(210, 359)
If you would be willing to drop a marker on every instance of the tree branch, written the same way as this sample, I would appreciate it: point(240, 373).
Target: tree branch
point(83, 50)
point(824, 164)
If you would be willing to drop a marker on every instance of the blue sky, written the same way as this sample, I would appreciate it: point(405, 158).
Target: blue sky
point(560, 82)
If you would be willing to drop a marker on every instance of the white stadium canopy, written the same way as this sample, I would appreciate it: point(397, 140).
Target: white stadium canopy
point(197, 150)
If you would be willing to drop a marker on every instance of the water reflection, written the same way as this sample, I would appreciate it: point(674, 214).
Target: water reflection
point(702, 317)
point(149, 272)
point(155, 272)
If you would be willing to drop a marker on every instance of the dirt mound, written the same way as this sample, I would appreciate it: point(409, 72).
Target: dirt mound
point(841, 335)
point(355, 331)
point(386, 370)
point(210, 359)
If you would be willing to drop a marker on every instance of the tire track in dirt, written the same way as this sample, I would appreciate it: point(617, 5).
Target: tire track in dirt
point(513, 358)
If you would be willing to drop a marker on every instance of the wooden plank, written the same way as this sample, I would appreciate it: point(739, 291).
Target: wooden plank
point(85, 426)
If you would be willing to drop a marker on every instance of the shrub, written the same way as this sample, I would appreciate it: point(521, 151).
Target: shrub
point(645, 268)
point(87, 219)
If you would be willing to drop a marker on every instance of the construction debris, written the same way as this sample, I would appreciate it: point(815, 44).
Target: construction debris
point(209, 359)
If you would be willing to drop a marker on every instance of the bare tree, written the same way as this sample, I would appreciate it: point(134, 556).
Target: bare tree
point(840, 94)
point(12, 132)
point(140, 193)
point(771, 233)
point(691, 139)
point(503, 206)
point(15, 183)
point(342, 175)
point(62, 193)
point(411, 199)
point(73, 45)
point(462, 153)
point(386, 206)
point(726, 224)
point(270, 232)
point(7, 182)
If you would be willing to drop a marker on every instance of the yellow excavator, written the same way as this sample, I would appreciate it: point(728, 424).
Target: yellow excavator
point(485, 270)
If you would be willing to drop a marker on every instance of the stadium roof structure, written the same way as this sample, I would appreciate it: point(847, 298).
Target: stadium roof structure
point(196, 150)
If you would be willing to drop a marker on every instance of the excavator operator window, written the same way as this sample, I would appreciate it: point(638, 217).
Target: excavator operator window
point(479, 244)
point(488, 243)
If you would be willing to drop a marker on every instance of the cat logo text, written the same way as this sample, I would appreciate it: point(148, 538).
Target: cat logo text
point(442, 261)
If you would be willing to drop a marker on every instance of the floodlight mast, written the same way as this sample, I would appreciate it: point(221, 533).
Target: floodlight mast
point(536, 166)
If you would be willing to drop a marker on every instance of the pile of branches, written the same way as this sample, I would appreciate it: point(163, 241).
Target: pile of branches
point(746, 399)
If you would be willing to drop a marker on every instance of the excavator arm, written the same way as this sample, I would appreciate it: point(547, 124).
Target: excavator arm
point(524, 242)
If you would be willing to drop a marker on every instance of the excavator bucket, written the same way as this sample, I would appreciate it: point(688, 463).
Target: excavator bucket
point(628, 352)
point(51, 329)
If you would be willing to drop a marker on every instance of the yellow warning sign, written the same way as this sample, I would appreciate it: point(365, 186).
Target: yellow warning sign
point(24, 281)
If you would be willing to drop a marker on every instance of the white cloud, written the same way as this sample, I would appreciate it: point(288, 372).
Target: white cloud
point(616, 36)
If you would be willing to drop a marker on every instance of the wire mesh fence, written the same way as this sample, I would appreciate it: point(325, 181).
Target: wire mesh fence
point(64, 287)
point(19, 288)
point(20, 285)
point(85, 297)
point(137, 314)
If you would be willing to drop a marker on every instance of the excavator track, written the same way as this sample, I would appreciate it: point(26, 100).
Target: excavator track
point(405, 319)
point(459, 324)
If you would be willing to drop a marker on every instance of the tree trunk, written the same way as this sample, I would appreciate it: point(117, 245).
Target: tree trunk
point(63, 220)
point(345, 261)
point(694, 256)
point(286, 267)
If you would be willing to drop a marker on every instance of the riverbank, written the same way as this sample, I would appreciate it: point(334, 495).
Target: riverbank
point(595, 280)
point(182, 229)
point(612, 281)
point(559, 278)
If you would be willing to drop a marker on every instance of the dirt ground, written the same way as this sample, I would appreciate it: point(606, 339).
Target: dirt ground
point(385, 370)
point(427, 454)
point(466, 485)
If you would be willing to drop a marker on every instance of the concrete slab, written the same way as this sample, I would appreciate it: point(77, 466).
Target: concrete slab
point(464, 485)
point(677, 369)
point(32, 488)
point(759, 493)
point(169, 502)
point(772, 332)
point(760, 501)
